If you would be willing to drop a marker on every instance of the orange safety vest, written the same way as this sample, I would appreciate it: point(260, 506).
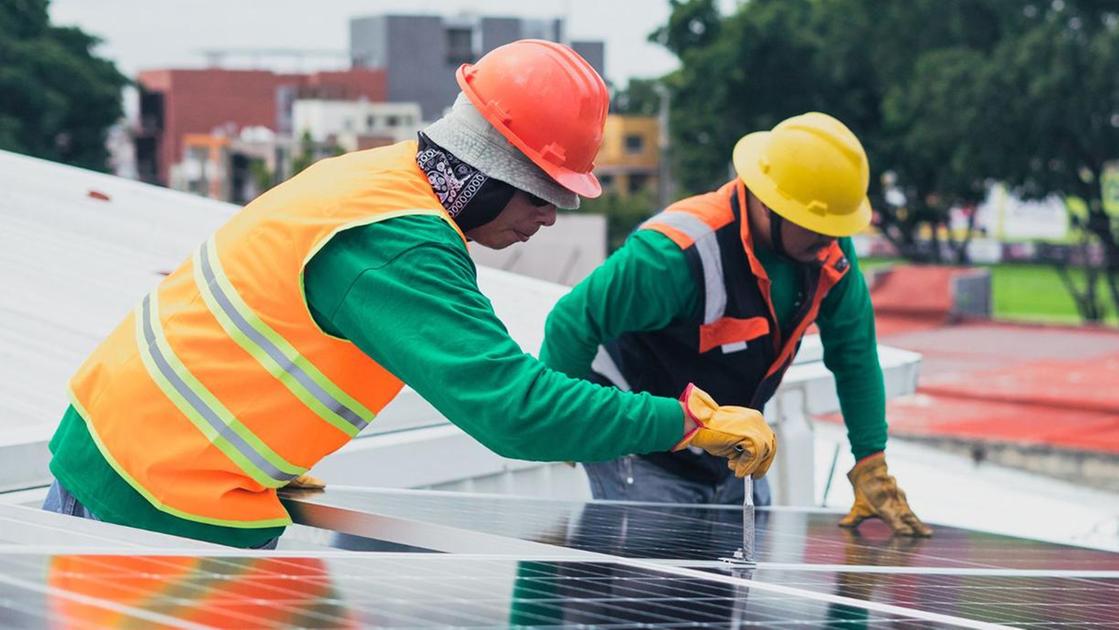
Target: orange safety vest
point(220, 387)
point(734, 348)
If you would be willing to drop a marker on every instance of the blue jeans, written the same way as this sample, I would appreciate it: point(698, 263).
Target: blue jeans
point(61, 501)
point(634, 479)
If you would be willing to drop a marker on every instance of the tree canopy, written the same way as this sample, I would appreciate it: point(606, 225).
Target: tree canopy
point(57, 98)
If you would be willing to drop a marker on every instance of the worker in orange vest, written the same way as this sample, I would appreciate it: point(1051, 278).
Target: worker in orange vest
point(718, 290)
point(292, 325)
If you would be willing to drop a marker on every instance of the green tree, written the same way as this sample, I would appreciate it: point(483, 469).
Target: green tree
point(1057, 97)
point(926, 125)
point(904, 76)
point(638, 98)
point(691, 24)
point(307, 154)
point(743, 73)
point(311, 151)
point(858, 60)
point(57, 98)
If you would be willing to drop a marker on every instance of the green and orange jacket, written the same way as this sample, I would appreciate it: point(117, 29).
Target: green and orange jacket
point(647, 284)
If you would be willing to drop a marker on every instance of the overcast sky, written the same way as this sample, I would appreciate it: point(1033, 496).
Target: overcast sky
point(142, 34)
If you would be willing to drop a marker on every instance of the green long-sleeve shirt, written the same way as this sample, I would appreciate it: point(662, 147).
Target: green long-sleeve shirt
point(404, 291)
point(647, 284)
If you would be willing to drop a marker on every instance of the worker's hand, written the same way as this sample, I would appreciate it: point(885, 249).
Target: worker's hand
point(306, 482)
point(737, 433)
point(877, 495)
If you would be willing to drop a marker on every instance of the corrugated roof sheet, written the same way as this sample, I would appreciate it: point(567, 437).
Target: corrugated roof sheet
point(72, 263)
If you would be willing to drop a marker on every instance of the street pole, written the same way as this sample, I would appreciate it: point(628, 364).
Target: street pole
point(664, 173)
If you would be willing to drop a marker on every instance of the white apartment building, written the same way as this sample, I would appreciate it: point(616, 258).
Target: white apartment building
point(354, 125)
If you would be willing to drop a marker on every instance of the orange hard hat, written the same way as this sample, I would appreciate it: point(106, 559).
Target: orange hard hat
point(548, 102)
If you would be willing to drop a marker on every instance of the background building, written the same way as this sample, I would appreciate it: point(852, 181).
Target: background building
point(174, 103)
point(629, 159)
point(234, 166)
point(420, 53)
point(354, 125)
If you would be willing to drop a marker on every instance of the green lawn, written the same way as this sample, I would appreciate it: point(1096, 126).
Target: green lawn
point(1026, 292)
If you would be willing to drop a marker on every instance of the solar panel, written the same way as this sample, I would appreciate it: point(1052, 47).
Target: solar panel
point(1029, 600)
point(698, 533)
point(391, 590)
point(544, 563)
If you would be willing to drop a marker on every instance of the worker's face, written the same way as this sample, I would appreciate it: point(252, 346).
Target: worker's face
point(802, 245)
point(518, 222)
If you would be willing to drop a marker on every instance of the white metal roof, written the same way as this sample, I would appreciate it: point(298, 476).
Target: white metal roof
point(72, 265)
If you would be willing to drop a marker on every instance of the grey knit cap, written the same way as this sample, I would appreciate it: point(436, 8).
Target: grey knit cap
point(467, 135)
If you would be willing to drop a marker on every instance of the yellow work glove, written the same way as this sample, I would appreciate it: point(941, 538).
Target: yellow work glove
point(737, 433)
point(877, 495)
point(306, 482)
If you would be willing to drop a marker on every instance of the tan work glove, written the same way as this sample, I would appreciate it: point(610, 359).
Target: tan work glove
point(737, 433)
point(877, 495)
point(306, 482)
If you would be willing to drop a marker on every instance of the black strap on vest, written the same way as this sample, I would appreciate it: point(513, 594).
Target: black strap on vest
point(775, 242)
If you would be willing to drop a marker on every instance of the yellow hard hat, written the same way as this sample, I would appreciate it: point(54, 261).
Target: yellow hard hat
point(811, 170)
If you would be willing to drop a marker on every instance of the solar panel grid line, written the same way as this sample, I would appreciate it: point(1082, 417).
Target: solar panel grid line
point(661, 616)
point(689, 596)
point(767, 610)
point(424, 534)
point(143, 615)
point(895, 570)
point(829, 598)
point(39, 616)
point(465, 600)
point(599, 619)
point(1002, 599)
point(276, 582)
point(672, 532)
point(279, 587)
point(986, 589)
point(664, 609)
point(335, 573)
point(711, 606)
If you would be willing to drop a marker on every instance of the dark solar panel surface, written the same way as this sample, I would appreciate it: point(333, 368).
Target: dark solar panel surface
point(1021, 601)
point(813, 574)
point(652, 531)
point(385, 590)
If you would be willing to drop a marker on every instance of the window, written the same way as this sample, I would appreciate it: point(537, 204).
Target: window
point(607, 182)
point(370, 121)
point(392, 120)
point(637, 182)
point(634, 143)
point(460, 46)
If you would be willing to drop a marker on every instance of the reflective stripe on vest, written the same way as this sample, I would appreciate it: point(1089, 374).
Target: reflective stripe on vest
point(212, 418)
point(271, 350)
point(707, 246)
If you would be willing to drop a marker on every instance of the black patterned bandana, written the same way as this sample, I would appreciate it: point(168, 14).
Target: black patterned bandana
point(470, 196)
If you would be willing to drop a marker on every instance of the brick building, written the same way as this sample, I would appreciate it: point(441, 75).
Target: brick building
point(174, 103)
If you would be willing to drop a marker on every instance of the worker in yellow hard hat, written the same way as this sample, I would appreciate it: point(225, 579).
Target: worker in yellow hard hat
point(718, 289)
